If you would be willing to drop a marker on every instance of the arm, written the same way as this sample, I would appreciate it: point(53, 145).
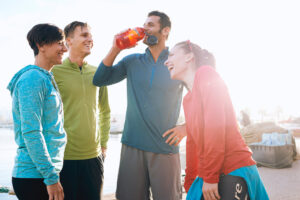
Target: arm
point(214, 101)
point(31, 102)
point(104, 118)
point(108, 74)
point(112, 54)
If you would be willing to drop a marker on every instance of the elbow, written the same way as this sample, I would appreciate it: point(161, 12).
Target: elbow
point(96, 82)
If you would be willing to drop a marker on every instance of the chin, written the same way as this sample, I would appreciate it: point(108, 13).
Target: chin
point(87, 53)
point(58, 61)
point(173, 76)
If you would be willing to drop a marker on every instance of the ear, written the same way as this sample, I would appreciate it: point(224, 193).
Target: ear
point(189, 57)
point(166, 31)
point(68, 42)
point(41, 48)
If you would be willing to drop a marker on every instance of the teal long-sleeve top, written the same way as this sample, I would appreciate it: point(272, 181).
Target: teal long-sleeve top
point(153, 99)
point(38, 125)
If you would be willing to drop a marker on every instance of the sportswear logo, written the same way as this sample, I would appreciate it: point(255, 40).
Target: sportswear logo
point(238, 190)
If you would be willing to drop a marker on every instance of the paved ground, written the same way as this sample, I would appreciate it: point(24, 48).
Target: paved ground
point(281, 184)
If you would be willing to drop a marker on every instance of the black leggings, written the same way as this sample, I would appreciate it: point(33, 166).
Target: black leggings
point(30, 188)
point(232, 188)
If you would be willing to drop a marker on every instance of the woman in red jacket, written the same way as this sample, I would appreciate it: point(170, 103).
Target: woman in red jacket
point(214, 145)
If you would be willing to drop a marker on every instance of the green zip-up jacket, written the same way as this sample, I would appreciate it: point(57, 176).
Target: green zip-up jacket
point(86, 110)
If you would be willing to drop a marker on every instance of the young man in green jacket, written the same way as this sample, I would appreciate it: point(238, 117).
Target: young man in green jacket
point(87, 117)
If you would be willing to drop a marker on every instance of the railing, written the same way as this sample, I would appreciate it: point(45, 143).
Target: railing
point(6, 125)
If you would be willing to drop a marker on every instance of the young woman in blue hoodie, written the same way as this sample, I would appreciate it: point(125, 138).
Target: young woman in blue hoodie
point(38, 119)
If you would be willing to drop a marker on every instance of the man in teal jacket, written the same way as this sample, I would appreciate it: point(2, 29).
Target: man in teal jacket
point(87, 128)
point(154, 100)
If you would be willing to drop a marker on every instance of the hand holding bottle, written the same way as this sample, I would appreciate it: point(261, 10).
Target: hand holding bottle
point(129, 38)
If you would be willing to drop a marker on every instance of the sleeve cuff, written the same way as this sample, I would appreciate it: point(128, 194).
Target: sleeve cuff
point(51, 180)
point(212, 179)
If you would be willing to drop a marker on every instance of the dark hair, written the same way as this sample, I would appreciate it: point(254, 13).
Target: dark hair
point(164, 19)
point(42, 34)
point(70, 28)
point(202, 56)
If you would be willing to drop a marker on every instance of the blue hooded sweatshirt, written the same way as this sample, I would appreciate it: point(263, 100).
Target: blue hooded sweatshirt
point(38, 125)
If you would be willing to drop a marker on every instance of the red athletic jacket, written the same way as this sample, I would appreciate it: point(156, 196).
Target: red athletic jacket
point(214, 144)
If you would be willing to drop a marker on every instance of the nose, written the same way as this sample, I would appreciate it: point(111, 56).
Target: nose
point(90, 39)
point(64, 48)
point(166, 62)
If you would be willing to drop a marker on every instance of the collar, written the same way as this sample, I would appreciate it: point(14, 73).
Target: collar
point(74, 65)
point(162, 56)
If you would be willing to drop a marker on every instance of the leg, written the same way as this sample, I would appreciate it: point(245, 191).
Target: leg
point(255, 185)
point(69, 179)
point(165, 176)
point(30, 188)
point(133, 180)
point(91, 179)
point(233, 187)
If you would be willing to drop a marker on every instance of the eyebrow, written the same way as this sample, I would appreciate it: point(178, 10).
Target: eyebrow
point(149, 23)
point(85, 33)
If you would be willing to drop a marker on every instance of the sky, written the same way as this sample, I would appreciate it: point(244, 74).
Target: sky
point(256, 43)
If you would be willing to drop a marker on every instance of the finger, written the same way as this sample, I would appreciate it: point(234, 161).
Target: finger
point(212, 195)
point(205, 195)
point(170, 137)
point(50, 196)
point(217, 195)
point(178, 141)
point(60, 196)
point(168, 132)
point(174, 140)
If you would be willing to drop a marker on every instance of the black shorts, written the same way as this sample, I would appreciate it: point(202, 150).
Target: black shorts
point(82, 179)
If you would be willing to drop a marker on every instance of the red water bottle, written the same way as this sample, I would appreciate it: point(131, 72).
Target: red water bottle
point(130, 37)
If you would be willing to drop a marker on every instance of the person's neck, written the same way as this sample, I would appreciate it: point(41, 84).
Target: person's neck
point(189, 77)
point(41, 62)
point(156, 50)
point(77, 58)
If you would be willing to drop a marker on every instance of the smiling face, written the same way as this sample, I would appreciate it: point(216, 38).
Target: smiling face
point(177, 63)
point(81, 40)
point(54, 52)
point(152, 27)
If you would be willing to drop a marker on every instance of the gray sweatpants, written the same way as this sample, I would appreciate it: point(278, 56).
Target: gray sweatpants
point(140, 170)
